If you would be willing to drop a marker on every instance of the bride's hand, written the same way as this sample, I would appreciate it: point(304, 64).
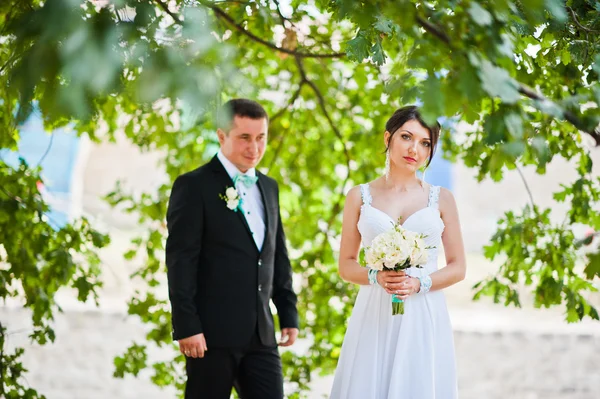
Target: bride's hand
point(391, 281)
point(408, 286)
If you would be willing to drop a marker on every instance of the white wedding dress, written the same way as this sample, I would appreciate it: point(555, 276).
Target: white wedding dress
point(409, 356)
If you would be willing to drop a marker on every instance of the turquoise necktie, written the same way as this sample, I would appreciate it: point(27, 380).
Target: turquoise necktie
point(246, 180)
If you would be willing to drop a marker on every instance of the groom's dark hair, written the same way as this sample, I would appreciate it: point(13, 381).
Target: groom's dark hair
point(411, 113)
point(241, 107)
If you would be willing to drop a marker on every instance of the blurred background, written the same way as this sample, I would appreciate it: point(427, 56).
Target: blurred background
point(501, 352)
point(104, 103)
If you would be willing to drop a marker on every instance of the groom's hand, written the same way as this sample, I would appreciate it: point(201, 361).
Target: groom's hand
point(193, 346)
point(288, 336)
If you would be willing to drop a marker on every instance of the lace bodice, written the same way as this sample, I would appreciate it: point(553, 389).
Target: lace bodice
point(373, 221)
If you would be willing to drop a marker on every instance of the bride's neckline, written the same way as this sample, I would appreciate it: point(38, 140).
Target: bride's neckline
point(405, 219)
point(393, 220)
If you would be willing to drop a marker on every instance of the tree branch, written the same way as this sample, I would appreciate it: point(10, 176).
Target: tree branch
point(321, 100)
point(278, 148)
point(568, 115)
point(223, 15)
point(279, 114)
point(434, 30)
point(10, 60)
point(523, 89)
point(281, 17)
point(290, 103)
point(579, 24)
point(165, 8)
point(338, 204)
point(47, 149)
point(526, 187)
point(11, 196)
point(20, 201)
point(7, 23)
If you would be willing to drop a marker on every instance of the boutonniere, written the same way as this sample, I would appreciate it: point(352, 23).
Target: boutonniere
point(232, 199)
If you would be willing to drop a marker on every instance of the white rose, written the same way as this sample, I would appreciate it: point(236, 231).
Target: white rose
point(376, 265)
point(230, 193)
point(419, 254)
point(370, 257)
point(418, 257)
point(394, 258)
point(375, 253)
point(411, 237)
point(405, 248)
point(232, 203)
point(380, 245)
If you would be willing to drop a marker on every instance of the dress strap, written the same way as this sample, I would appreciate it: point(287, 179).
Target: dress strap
point(365, 193)
point(434, 196)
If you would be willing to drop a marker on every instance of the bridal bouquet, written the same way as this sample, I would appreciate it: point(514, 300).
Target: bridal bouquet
point(397, 249)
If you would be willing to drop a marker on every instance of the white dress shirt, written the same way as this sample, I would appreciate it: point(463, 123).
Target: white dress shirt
point(252, 204)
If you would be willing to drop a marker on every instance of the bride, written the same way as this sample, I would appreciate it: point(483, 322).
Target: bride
point(408, 356)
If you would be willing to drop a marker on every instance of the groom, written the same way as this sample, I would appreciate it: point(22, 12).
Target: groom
point(226, 259)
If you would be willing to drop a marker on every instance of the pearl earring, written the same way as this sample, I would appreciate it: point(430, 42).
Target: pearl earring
point(387, 164)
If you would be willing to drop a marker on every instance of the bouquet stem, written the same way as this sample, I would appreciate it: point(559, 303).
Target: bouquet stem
point(397, 305)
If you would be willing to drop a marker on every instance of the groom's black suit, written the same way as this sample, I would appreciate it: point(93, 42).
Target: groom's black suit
point(220, 284)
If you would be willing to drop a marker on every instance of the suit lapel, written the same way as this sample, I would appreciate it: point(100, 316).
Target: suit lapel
point(226, 181)
point(245, 222)
point(265, 194)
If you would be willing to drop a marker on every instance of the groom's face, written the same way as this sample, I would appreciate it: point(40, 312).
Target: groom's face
point(245, 142)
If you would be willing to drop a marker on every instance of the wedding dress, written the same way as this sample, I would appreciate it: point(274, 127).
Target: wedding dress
point(409, 356)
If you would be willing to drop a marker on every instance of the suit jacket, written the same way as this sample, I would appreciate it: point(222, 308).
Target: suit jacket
point(220, 284)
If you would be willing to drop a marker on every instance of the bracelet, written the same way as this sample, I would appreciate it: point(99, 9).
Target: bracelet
point(372, 274)
point(425, 284)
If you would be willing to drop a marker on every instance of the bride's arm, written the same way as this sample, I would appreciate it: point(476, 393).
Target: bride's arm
point(350, 269)
point(456, 265)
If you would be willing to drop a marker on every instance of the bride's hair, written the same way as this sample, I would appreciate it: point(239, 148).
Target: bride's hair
point(410, 113)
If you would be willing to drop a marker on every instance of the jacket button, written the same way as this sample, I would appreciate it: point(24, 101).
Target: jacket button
point(260, 262)
point(260, 287)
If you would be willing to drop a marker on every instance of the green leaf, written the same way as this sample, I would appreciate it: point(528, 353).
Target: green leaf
point(565, 56)
point(592, 269)
point(515, 148)
point(385, 25)
point(378, 56)
point(468, 83)
point(497, 82)
point(541, 149)
point(433, 99)
point(514, 124)
point(507, 46)
point(572, 315)
point(557, 8)
point(358, 48)
point(480, 15)
point(495, 129)
point(548, 40)
point(596, 65)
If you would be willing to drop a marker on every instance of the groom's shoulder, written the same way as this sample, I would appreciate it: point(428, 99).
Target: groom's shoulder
point(199, 174)
point(194, 174)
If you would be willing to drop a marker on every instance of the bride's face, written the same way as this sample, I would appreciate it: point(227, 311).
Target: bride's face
point(410, 146)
